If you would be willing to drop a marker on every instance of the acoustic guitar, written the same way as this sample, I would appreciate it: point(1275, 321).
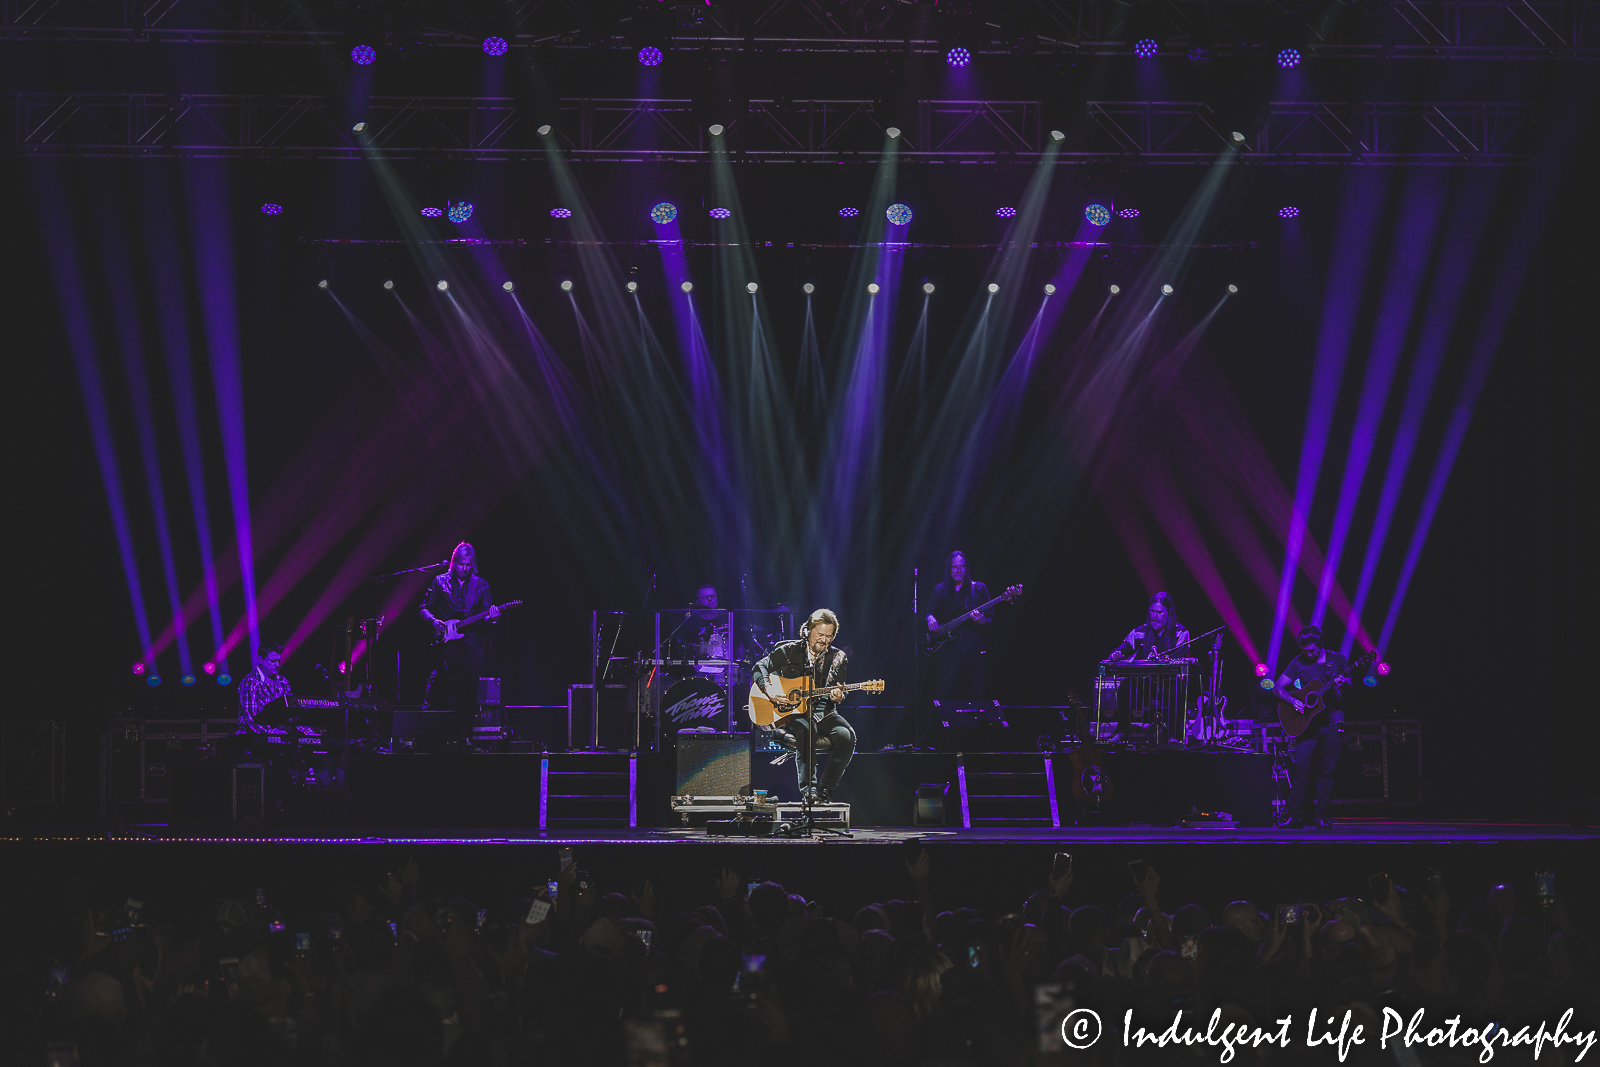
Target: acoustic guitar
point(1313, 698)
point(455, 629)
point(937, 639)
point(798, 695)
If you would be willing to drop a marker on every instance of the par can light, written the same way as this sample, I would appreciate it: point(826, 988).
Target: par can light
point(443, 286)
point(566, 285)
point(927, 287)
point(633, 287)
point(751, 287)
point(687, 287)
point(389, 284)
point(507, 286)
point(994, 287)
point(1049, 289)
point(1166, 290)
point(808, 288)
point(716, 129)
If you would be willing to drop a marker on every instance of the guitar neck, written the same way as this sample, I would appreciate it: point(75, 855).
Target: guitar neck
point(959, 619)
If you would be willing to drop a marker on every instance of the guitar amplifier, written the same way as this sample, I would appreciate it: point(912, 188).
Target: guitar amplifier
point(712, 765)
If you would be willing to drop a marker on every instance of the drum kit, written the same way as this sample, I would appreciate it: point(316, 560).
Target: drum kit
point(703, 658)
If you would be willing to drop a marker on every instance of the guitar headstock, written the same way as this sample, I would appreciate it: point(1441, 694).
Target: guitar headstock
point(1012, 592)
point(874, 686)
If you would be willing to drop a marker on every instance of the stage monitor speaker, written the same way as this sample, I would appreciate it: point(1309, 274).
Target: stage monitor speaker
point(436, 725)
point(712, 765)
point(971, 726)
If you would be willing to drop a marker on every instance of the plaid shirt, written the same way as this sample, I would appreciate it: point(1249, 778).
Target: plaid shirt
point(256, 691)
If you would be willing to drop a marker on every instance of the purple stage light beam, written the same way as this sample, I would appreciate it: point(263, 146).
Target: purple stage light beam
point(136, 379)
point(1463, 237)
point(211, 230)
point(1341, 301)
point(61, 247)
point(1421, 209)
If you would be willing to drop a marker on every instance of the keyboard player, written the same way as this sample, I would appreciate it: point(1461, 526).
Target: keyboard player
point(1158, 634)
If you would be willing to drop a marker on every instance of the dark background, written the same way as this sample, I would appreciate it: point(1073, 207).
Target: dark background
point(1493, 649)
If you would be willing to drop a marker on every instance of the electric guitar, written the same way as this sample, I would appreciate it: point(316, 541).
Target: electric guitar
point(798, 695)
point(1296, 723)
point(937, 639)
point(455, 629)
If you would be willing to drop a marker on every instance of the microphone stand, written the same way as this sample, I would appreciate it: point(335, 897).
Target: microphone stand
point(437, 567)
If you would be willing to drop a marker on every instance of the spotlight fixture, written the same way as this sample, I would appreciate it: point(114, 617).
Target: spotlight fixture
point(958, 57)
point(1370, 680)
point(663, 213)
point(716, 129)
point(1232, 288)
point(359, 127)
point(1288, 212)
point(209, 668)
point(633, 287)
point(495, 46)
point(323, 284)
point(544, 131)
point(507, 285)
point(1049, 289)
point(138, 669)
point(808, 288)
point(1237, 137)
point(389, 284)
point(1128, 213)
point(650, 56)
point(1384, 669)
point(272, 209)
point(189, 679)
point(1005, 212)
point(1166, 290)
point(561, 212)
point(1268, 684)
point(927, 287)
point(687, 287)
point(872, 287)
point(720, 213)
point(1146, 48)
point(993, 287)
point(224, 678)
point(459, 212)
point(153, 681)
point(363, 55)
point(751, 287)
point(899, 214)
point(1097, 214)
point(1261, 670)
point(432, 212)
point(893, 132)
point(1115, 289)
point(1289, 58)
point(442, 285)
point(849, 212)
point(566, 285)
point(1057, 136)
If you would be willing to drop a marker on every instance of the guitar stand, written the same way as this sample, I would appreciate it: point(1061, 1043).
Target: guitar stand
point(807, 824)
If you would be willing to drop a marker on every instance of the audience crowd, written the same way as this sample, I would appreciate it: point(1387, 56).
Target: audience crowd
point(756, 974)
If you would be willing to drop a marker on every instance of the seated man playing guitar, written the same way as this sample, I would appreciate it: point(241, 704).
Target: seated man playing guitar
point(458, 593)
point(814, 658)
point(1319, 739)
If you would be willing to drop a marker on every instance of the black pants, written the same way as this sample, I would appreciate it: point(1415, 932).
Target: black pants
point(453, 685)
point(959, 677)
point(841, 737)
point(1316, 755)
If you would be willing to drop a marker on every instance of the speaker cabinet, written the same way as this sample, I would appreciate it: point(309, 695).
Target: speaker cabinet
point(712, 765)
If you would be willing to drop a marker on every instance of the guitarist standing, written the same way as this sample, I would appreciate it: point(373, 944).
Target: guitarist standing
point(1316, 750)
point(959, 664)
point(813, 657)
point(456, 594)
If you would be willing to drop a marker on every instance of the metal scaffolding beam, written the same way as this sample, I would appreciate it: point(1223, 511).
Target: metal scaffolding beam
point(1418, 29)
point(133, 125)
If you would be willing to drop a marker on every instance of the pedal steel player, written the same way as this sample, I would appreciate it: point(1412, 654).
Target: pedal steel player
point(1160, 633)
point(1316, 753)
point(813, 656)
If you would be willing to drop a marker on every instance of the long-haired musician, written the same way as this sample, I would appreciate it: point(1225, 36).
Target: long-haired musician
point(456, 594)
point(959, 664)
point(813, 657)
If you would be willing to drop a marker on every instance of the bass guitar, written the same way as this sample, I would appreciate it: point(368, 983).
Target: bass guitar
point(455, 629)
point(1297, 722)
point(937, 639)
point(764, 711)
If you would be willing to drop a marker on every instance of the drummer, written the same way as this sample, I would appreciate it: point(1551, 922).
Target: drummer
point(709, 631)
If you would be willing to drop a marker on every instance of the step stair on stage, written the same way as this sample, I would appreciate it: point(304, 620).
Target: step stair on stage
point(580, 789)
point(1007, 789)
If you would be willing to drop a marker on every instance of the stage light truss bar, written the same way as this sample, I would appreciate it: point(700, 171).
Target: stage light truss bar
point(1453, 29)
point(641, 130)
